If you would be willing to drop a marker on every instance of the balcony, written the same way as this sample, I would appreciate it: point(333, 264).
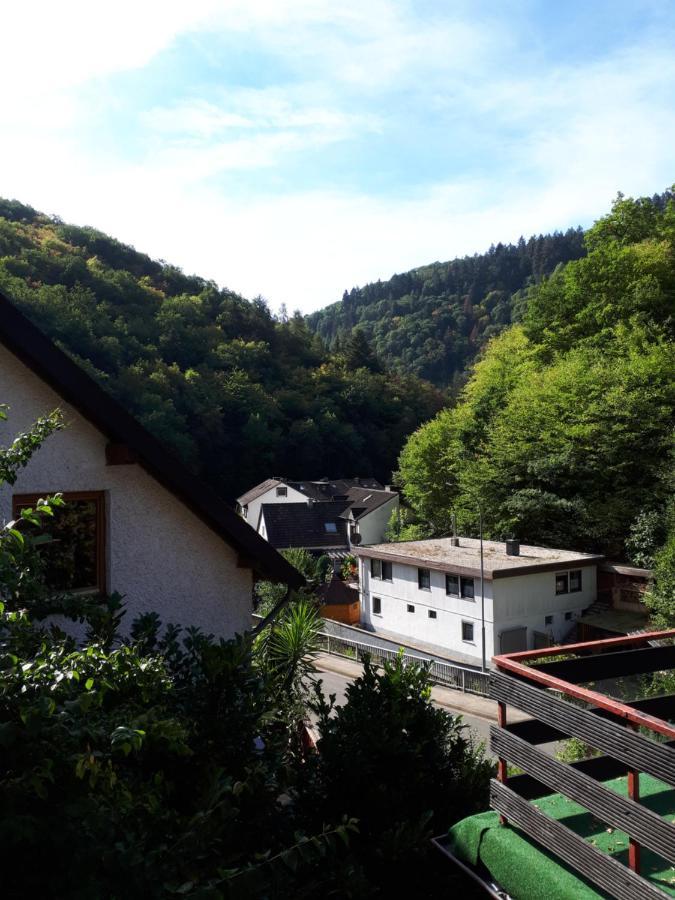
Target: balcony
point(603, 826)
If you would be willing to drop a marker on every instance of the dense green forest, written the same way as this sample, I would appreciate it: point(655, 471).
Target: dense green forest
point(434, 321)
point(563, 435)
point(239, 393)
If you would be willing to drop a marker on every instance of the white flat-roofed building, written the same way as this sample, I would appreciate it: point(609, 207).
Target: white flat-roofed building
point(430, 592)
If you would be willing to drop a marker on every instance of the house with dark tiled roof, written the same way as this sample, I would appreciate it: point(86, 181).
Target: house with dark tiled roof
point(329, 515)
point(317, 526)
point(136, 521)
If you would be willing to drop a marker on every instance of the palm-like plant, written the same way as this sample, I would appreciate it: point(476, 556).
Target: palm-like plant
point(286, 650)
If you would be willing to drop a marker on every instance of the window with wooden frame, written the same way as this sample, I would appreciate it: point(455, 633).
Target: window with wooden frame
point(74, 556)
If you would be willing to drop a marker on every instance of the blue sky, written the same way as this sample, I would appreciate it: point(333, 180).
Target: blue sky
point(295, 148)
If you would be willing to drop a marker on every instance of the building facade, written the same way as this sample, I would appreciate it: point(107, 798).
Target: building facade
point(334, 514)
point(136, 521)
point(430, 592)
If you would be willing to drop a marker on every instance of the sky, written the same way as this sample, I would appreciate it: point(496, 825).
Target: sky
point(297, 148)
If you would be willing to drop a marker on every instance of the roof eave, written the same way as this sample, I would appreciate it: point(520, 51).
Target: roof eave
point(488, 574)
point(70, 381)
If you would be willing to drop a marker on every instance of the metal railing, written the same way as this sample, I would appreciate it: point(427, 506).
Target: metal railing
point(470, 681)
point(452, 675)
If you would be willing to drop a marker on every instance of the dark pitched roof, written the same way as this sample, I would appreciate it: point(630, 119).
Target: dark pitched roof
point(56, 368)
point(330, 489)
point(304, 524)
point(366, 494)
point(337, 592)
point(364, 500)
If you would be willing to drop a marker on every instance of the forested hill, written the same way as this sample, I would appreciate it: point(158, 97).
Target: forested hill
point(239, 394)
point(564, 432)
point(432, 321)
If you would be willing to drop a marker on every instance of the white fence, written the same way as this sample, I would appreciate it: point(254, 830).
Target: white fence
point(471, 681)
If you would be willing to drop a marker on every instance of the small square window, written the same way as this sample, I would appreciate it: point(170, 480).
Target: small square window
point(452, 585)
point(432, 613)
point(467, 631)
point(330, 527)
point(424, 579)
point(575, 581)
point(467, 588)
point(568, 616)
point(282, 492)
point(387, 571)
point(561, 583)
point(377, 606)
point(411, 608)
point(376, 568)
point(548, 620)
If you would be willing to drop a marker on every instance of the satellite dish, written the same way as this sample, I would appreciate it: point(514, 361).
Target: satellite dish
point(356, 539)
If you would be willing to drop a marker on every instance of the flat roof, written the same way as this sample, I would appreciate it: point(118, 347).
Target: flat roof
point(442, 554)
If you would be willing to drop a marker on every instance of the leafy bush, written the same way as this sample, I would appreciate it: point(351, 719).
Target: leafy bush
point(403, 767)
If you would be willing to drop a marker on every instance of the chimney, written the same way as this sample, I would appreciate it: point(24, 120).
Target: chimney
point(454, 540)
point(387, 487)
point(512, 547)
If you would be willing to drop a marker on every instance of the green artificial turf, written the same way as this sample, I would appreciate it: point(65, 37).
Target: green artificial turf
point(528, 871)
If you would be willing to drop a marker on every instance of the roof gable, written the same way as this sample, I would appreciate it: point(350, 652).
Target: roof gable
point(71, 382)
point(258, 491)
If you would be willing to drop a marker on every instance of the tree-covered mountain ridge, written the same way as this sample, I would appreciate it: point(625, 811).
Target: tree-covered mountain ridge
point(434, 320)
point(563, 434)
point(236, 391)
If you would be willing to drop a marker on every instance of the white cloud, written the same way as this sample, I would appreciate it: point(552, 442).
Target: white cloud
point(564, 140)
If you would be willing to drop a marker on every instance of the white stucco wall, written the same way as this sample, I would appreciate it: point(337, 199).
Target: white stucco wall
point(159, 554)
point(373, 525)
point(528, 599)
point(270, 496)
point(517, 601)
point(445, 630)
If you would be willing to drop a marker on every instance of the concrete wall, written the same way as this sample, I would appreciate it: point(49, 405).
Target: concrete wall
point(159, 554)
point(372, 526)
point(518, 601)
point(270, 496)
point(445, 630)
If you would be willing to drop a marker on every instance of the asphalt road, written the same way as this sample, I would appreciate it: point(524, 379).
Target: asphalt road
point(476, 711)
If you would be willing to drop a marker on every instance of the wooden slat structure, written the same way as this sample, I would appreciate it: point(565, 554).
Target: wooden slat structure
point(552, 685)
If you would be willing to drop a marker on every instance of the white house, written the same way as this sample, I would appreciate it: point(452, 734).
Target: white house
point(430, 591)
point(137, 521)
point(356, 510)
